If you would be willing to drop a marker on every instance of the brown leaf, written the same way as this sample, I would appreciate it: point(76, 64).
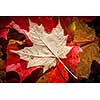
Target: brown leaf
point(90, 51)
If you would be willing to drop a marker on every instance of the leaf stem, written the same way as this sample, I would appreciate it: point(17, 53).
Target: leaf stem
point(67, 69)
point(87, 41)
point(57, 57)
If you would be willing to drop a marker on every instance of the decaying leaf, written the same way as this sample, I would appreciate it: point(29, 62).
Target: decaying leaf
point(83, 32)
point(46, 47)
point(90, 50)
point(90, 53)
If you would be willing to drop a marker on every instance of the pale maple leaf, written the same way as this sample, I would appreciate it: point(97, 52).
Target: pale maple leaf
point(47, 48)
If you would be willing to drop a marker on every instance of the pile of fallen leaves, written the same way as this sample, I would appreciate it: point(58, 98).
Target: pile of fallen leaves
point(47, 49)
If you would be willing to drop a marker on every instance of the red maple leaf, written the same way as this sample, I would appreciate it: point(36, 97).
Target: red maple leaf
point(21, 69)
point(18, 23)
point(4, 32)
point(48, 22)
point(59, 74)
point(22, 21)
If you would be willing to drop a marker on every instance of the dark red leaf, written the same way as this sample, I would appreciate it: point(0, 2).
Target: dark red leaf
point(88, 18)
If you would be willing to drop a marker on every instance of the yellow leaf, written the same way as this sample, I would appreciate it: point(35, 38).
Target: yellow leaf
point(73, 26)
point(16, 41)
